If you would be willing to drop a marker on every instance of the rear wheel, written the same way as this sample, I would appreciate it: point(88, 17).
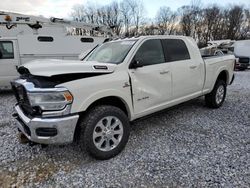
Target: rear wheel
point(105, 131)
point(217, 96)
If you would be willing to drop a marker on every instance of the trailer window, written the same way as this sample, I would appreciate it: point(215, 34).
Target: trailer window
point(45, 39)
point(87, 40)
point(6, 50)
point(175, 50)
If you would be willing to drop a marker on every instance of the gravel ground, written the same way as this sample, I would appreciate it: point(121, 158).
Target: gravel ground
point(187, 146)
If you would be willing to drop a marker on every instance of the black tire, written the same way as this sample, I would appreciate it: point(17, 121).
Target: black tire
point(210, 98)
point(88, 123)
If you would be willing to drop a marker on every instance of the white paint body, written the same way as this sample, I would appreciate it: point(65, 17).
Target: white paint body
point(242, 48)
point(143, 90)
point(26, 46)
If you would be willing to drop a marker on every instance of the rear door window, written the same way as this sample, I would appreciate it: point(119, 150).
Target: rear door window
point(6, 50)
point(175, 50)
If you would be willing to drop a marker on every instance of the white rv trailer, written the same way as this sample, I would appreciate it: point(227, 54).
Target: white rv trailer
point(242, 52)
point(25, 38)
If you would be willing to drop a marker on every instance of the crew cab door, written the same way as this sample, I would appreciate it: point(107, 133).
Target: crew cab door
point(151, 79)
point(9, 59)
point(187, 72)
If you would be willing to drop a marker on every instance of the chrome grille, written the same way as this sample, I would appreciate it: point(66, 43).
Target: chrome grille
point(22, 98)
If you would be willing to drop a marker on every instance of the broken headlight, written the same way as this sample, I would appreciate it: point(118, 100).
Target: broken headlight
point(50, 101)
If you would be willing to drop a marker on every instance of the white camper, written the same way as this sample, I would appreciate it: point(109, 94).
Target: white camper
point(242, 52)
point(25, 38)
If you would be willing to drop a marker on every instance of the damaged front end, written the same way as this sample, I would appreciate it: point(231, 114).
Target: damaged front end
point(41, 81)
point(43, 110)
point(43, 114)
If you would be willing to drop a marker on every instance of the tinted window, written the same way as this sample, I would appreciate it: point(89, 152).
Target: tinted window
point(175, 50)
point(87, 39)
point(45, 39)
point(6, 50)
point(150, 53)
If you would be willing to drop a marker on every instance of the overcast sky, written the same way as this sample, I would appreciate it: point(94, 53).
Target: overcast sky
point(62, 8)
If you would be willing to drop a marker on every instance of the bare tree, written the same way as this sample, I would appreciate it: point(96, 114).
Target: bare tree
point(91, 13)
point(78, 13)
point(245, 26)
point(235, 16)
point(186, 20)
point(166, 20)
point(109, 15)
point(126, 12)
point(211, 20)
point(137, 9)
point(132, 13)
point(203, 24)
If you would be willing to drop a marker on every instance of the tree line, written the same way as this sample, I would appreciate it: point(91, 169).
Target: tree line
point(128, 18)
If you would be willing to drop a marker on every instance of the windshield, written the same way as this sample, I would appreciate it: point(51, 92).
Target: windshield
point(111, 52)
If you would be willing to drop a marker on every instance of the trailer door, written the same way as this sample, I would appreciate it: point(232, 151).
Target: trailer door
point(9, 59)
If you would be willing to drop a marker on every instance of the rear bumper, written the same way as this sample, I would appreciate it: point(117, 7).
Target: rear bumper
point(46, 130)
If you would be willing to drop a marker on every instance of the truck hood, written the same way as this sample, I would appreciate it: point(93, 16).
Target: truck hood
point(52, 67)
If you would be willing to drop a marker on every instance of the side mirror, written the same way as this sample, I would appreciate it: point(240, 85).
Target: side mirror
point(136, 63)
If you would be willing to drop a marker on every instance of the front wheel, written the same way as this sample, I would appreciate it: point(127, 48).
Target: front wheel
point(105, 131)
point(217, 96)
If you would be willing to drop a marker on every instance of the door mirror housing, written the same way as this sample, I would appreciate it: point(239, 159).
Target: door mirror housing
point(136, 63)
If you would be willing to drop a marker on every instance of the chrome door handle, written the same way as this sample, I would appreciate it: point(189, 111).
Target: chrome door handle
point(193, 66)
point(164, 72)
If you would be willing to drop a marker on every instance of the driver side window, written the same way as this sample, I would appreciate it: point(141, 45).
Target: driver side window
point(150, 53)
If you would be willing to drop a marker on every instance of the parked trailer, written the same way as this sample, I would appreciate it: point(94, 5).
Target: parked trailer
point(24, 38)
point(16, 51)
point(242, 52)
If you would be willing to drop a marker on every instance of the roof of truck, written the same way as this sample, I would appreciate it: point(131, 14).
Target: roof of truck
point(152, 36)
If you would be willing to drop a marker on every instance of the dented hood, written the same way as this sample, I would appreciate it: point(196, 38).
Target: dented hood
point(51, 67)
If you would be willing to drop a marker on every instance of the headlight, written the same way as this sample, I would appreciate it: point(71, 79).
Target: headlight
point(49, 101)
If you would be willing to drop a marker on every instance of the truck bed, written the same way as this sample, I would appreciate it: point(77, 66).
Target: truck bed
point(215, 64)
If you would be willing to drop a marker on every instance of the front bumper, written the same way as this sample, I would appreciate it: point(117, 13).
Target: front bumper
point(58, 130)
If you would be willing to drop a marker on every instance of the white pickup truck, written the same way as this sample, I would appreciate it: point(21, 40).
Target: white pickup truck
point(94, 100)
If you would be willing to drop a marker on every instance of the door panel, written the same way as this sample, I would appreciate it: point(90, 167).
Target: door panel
point(187, 75)
point(151, 84)
point(186, 78)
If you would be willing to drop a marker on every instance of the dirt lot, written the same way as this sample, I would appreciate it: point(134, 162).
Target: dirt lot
point(187, 146)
